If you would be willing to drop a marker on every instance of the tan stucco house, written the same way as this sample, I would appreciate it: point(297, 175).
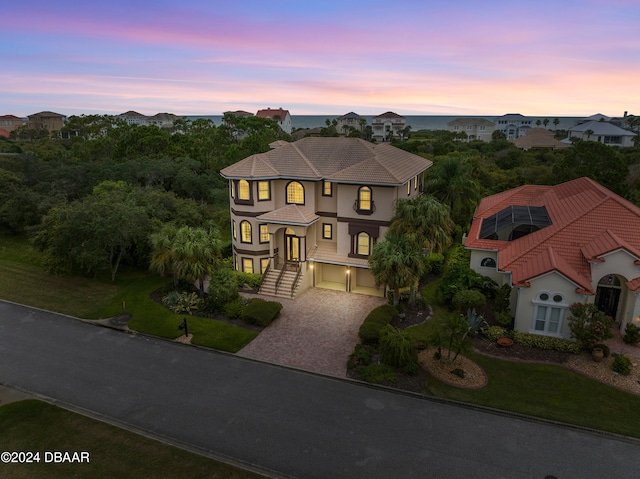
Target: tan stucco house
point(307, 213)
point(475, 128)
point(558, 245)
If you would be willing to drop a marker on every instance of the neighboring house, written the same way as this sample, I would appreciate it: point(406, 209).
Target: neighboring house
point(602, 132)
point(349, 122)
point(513, 125)
point(387, 125)
point(475, 128)
point(46, 120)
point(308, 213)
point(11, 122)
point(282, 117)
point(539, 138)
point(558, 245)
point(162, 120)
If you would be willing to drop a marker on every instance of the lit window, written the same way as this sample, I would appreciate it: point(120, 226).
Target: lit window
point(264, 192)
point(548, 313)
point(245, 232)
point(233, 228)
point(364, 198)
point(327, 231)
point(415, 182)
point(327, 188)
point(362, 247)
point(247, 265)
point(243, 190)
point(264, 264)
point(233, 194)
point(295, 193)
point(409, 187)
point(264, 233)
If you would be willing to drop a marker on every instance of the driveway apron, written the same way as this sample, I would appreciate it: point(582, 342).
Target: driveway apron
point(316, 331)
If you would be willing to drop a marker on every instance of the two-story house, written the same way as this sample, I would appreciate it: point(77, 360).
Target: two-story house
point(350, 122)
point(308, 213)
point(10, 122)
point(387, 125)
point(602, 132)
point(282, 117)
point(46, 120)
point(513, 125)
point(474, 128)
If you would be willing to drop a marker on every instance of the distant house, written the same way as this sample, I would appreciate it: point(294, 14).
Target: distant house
point(11, 122)
point(46, 120)
point(513, 125)
point(162, 120)
point(282, 117)
point(308, 213)
point(4, 133)
point(387, 125)
point(349, 122)
point(558, 245)
point(602, 132)
point(475, 128)
point(539, 138)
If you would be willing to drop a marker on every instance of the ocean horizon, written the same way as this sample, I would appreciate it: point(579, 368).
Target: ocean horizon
point(416, 122)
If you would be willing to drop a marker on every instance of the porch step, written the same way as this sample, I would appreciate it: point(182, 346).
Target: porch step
point(268, 286)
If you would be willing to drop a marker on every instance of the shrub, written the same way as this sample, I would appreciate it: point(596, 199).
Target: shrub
point(233, 309)
point(377, 319)
point(396, 347)
point(261, 312)
point(605, 349)
point(223, 288)
point(502, 302)
point(434, 263)
point(545, 342)
point(503, 318)
point(377, 373)
point(467, 299)
point(631, 334)
point(182, 303)
point(361, 356)
point(251, 280)
point(589, 325)
point(494, 333)
point(621, 364)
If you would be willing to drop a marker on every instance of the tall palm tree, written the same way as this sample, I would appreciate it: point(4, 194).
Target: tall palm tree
point(450, 180)
point(396, 262)
point(162, 258)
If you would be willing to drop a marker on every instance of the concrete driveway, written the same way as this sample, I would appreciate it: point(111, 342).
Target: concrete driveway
point(315, 331)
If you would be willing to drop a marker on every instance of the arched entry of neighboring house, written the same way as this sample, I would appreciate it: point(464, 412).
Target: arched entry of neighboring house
point(608, 295)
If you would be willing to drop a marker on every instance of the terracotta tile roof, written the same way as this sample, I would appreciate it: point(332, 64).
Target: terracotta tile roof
point(389, 114)
point(346, 160)
point(4, 133)
point(588, 222)
point(270, 113)
point(539, 138)
point(290, 215)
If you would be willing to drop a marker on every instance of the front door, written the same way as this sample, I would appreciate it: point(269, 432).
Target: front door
point(292, 244)
point(608, 295)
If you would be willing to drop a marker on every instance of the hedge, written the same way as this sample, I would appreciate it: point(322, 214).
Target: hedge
point(535, 340)
point(261, 312)
point(377, 319)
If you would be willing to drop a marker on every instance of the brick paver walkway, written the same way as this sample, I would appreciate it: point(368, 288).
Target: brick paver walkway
point(316, 331)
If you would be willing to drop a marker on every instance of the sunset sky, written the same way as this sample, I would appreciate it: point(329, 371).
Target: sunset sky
point(423, 57)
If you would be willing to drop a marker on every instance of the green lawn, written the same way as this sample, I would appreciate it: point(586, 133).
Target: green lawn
point(23, 280)
point(113, 452)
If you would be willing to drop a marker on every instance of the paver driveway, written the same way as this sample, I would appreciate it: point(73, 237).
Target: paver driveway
point(315, 331)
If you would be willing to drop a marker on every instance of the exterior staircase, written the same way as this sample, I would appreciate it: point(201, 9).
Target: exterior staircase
point(286, 287)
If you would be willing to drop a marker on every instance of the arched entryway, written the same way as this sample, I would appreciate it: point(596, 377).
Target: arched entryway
point(608, 295)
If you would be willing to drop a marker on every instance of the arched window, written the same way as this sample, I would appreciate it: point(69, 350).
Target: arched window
point(245, 232)
point(548, 313)
point(364, 199)
point(363, 244)
point(488, 263)
point(295, 193)
point(244, 192)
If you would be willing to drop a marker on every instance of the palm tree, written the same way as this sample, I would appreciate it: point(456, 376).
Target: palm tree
point(450, 181)
point(396, 262)
point(588, 133)
point(545, 122)
point(556, 122)
point(162, 261)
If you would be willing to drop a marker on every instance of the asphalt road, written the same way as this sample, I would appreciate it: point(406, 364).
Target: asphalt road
point(298, 424)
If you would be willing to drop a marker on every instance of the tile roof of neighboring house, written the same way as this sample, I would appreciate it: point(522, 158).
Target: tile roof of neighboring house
point(290, 214)
point(270, 113)
point(164, 117)
point(512, 116)
point(46, 114)
point(389, 114)
point(349, 115)
point(9, 117)
point(601, 128)
point(299, 134)
point(539, 138)
point(344, 160)
point(470, 121)
point(4, 133)
point(132, 114)
point(588, 222)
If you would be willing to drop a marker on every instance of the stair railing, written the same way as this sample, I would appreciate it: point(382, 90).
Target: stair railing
point(295, 281)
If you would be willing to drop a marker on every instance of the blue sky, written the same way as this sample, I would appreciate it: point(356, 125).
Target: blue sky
point(414, 57)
